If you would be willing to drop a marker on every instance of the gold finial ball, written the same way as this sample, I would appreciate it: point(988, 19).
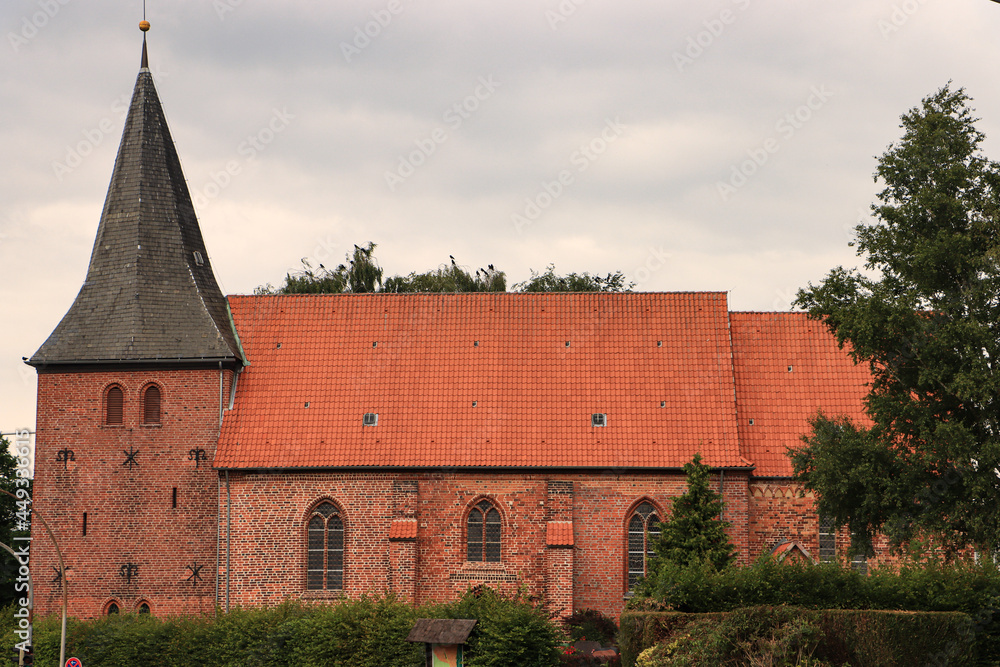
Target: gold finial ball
point(144, 25)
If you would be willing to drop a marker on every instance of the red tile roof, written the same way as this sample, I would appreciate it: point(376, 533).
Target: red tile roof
point(463, 380)
point(787, 368)
point(559, 534)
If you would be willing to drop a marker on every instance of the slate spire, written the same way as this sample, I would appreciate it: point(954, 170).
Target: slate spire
point(150, 294)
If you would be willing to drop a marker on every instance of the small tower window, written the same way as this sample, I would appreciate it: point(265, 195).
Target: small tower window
point(151, 405)
point(114, 406)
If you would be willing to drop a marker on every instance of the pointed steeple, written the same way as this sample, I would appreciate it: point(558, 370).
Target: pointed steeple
point(150, 294)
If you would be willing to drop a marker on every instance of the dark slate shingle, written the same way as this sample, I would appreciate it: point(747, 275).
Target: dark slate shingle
point(150, 293)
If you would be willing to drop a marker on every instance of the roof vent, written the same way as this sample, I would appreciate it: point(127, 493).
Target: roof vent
point(663, 404)
point(370, 419)
point(789, 369)
point(375, 344)
point(751, 422)
point(475, 403)
point(599, 419)
point(307, 404)
point(567, 343)
point(475, 344)
point(659, 343)
point(198, 259)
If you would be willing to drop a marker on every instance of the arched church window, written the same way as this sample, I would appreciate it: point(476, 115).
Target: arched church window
point(483, 533)
point(151, 405)
point(325, 549)
point(643, 528)
point(144, 608)
point(114, 414)
point(112, 608)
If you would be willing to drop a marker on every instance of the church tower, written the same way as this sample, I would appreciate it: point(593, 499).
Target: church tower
point(132, 387)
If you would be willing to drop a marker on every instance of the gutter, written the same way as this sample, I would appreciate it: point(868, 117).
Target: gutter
point(621, 470)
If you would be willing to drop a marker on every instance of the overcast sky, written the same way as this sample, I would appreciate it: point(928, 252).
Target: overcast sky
point(722, 145)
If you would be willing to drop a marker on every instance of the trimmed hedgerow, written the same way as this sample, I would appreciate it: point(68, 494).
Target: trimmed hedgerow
point(368, 632)
point(914, 585)
point(786, 636)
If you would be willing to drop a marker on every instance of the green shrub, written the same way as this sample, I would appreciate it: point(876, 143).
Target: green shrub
point(784, 636)
point(511, 630)
point(368, 632)
point(917, 584)
point(778, 637)
point(591, 624)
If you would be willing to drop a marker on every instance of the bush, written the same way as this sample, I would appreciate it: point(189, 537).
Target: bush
point(368, 632)
point(784, 636)
point(593, 625)
point(511, 630)
point(914, 585)
point(756, 636)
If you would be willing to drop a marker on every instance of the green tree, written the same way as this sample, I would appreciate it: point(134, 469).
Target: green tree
point(573, 282)
point(926, 319)
point(694, 533)
point(360, 274)
point(449, 278)
point(8, 522)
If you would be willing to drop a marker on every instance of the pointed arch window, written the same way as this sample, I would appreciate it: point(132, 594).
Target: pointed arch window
point(151, 405)
point(643, 528)
point(325, 549)
point(483, 533)
point(827, 539)
point(114, 406)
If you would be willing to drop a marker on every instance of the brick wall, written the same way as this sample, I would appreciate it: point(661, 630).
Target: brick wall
point(782, 510)
point(268, 513)
point(130, 512)
point(780, 513)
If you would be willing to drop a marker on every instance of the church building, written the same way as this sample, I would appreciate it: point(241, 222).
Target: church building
point(195, 451)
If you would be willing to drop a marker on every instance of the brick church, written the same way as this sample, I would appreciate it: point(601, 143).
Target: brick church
point(195, 451)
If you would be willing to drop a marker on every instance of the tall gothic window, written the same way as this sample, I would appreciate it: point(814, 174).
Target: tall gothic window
point(643, 527)
point(827, 539)
point(151, 405)
point(114, 413)
point(483, 534)
point(325, 569)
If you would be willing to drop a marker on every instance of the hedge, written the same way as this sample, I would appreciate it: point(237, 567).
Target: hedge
point(368, 632)
point(860, 638)
point(925, 585)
